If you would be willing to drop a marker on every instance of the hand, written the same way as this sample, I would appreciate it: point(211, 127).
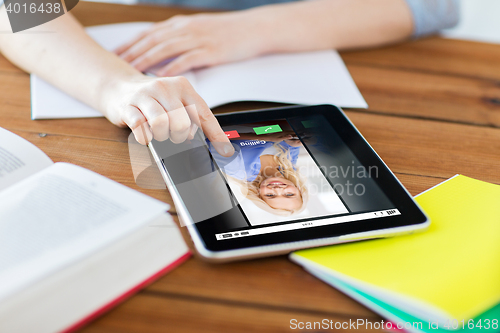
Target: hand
point(195, 41)
point(163, 108)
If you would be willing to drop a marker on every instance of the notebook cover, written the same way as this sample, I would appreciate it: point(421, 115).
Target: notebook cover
point(460, 251)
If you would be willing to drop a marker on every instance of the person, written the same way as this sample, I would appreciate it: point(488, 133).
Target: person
point(201, 40)
point(169, 107)
point(70, 60)
point(264, 168)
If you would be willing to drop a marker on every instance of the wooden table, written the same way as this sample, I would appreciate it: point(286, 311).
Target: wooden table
point(434, 112)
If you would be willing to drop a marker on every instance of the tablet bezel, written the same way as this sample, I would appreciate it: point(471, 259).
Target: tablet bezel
point(412, 217)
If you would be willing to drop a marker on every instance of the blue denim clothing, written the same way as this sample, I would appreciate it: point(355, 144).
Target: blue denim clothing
point(430, 16)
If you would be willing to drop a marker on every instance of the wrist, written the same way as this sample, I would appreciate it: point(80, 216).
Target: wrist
point(293, 27)
point(276, 28)
point(114, 93)
point(271, 31)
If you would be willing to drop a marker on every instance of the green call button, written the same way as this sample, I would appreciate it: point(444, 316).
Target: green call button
point(267, 129)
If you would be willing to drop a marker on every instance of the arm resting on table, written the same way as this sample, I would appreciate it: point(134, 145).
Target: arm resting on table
point(62, 53)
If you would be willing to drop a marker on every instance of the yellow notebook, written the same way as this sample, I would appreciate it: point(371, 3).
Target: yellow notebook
point(451, 271)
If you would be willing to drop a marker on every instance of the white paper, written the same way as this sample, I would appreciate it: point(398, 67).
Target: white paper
point(297, 78)
point(60, 215)
point(19, 159)
point(300, 78)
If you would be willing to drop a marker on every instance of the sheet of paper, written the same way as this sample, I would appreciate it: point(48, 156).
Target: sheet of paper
point(301, 78)
point(19, 159)
point(61, 215)
point(298, 78)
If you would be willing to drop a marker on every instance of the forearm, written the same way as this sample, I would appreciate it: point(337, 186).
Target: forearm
point(332, 24)
point(62, 53)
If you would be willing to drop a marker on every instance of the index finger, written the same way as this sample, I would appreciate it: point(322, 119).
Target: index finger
point(213, 131)
point(207, 121)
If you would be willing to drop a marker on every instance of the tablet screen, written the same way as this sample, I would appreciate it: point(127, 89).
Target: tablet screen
point(292, 173)
point(297, 173)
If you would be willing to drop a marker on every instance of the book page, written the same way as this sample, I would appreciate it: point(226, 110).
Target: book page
point(19, 159)
point(61, 215)
point(309, 78)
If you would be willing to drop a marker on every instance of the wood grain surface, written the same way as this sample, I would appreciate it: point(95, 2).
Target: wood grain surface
point(434, 112)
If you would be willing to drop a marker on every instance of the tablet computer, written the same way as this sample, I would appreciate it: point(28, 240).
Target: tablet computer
point(301, 176)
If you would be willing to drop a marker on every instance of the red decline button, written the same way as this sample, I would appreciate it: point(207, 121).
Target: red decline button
point(232, 134)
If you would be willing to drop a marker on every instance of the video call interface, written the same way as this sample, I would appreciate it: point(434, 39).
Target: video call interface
point(285, 174)
point(296, 173)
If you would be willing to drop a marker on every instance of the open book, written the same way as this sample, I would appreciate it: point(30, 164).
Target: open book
point(299, 78)
point(447, 278)
point(72, 242)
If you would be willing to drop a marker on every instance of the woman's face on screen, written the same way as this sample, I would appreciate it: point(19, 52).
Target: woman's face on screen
point(280, 193)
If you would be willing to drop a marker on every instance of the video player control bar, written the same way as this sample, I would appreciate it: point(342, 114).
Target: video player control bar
point(308, 224)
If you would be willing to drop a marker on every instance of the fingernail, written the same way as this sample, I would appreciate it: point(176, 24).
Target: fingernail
point(143, 134)
point(228, 149)
point(194, 128)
